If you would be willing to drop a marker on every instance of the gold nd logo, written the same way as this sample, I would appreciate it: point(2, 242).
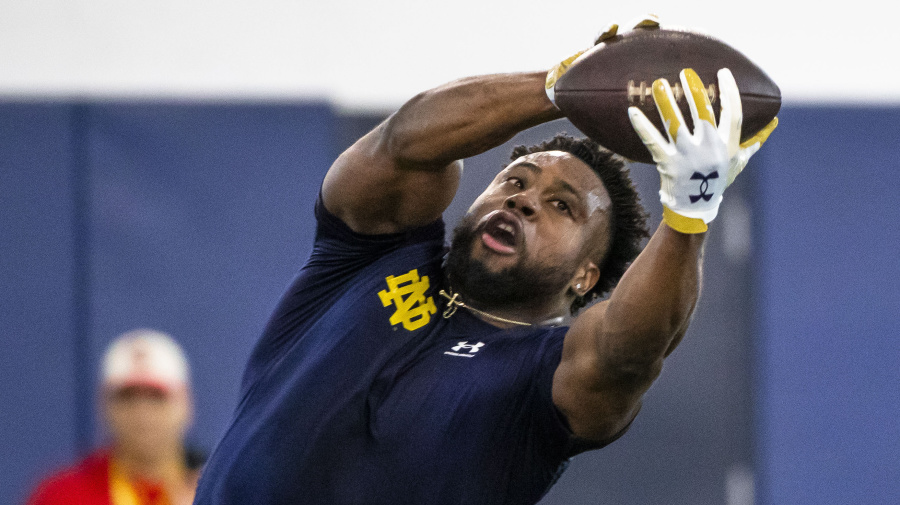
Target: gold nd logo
point(407, 291)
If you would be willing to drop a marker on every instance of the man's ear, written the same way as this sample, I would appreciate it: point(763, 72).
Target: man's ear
point(585, 278)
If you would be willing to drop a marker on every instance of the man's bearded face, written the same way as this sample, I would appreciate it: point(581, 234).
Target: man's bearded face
point(525, 238)
point(522, 283)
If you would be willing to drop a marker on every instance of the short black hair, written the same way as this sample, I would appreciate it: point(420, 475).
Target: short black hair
point(628, 219)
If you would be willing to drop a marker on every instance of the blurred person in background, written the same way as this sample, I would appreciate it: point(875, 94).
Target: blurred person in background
point(146, 403)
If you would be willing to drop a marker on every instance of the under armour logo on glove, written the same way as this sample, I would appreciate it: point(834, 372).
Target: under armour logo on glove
point(703, 186)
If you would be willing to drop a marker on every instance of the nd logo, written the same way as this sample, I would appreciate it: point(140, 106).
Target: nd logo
point(407, 292)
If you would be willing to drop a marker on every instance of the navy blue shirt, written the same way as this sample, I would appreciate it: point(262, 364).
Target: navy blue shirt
point(361, 392)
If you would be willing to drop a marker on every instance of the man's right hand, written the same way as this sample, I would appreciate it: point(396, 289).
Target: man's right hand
point(648, 21)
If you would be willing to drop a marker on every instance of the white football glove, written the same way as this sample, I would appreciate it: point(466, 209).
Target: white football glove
point(695, 168)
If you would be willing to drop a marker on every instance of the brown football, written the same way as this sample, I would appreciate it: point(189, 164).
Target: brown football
point(597, 90)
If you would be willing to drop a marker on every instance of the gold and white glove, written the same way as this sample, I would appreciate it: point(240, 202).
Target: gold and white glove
point(648, 21)
point(696, 167)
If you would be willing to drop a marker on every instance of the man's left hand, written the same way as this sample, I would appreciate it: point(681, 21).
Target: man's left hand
point(696, 167)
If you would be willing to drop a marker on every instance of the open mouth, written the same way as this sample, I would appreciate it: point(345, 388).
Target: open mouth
point(502, 232)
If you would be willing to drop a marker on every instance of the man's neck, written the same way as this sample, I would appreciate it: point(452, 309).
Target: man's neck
point(165, 466)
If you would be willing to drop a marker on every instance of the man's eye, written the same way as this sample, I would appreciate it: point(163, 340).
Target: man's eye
point(561, 205)
point(515, 181)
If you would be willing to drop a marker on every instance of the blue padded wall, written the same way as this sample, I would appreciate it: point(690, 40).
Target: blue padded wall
point(828, 379)
point(199, 221)
point(38, 368)
point(189, 218)
point(193, 217)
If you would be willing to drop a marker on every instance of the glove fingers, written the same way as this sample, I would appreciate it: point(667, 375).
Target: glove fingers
point(648, 133)
point(698, 100)
point(556, 72)
point(732, 116)
point(762, 135)
point(748, 149)
point(667, 107)
point(645, 21)
point(607, 33)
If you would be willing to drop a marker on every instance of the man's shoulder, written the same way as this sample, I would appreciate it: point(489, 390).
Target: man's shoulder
point(334, 231)
point(83, 482)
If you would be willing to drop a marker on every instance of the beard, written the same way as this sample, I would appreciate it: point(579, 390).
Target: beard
point(524, 284)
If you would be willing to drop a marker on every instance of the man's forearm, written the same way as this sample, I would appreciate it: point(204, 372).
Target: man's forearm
point(404, 173)
point(614, 350)
point(649, 310)
point(467, 117)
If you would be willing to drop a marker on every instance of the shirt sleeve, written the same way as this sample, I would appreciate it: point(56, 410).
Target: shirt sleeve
point(84, 483)
point(549, 420)
point(339, 255)
point(336, 243)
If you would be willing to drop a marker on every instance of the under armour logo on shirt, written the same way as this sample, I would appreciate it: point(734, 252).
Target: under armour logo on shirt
point(470, 349)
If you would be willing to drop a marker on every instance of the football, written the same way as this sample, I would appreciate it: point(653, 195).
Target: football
point(596, 91)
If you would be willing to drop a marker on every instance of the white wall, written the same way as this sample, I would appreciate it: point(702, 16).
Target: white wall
point(378, 53)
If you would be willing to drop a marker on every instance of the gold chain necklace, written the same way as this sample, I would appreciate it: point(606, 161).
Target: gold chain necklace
point(453, 303)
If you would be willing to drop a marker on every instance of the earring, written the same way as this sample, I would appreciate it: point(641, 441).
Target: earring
point(578, 286)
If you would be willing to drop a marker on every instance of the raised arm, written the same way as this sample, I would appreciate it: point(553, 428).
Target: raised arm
point(615, 350)
point(405, 172)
